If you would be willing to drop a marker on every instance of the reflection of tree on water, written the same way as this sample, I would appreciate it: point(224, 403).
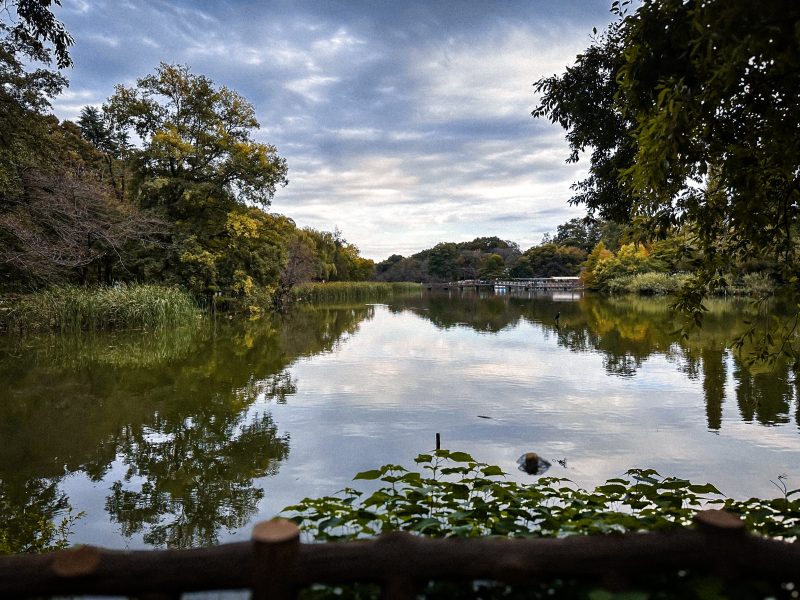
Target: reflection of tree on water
point(30, 511)
point(764, 397)
point(715, 375)
point(182, 419)
point(197, 476)
point(488, 314)
point(627, 331)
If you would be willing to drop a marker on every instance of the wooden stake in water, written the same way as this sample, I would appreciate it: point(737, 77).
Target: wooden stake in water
point(438, 442)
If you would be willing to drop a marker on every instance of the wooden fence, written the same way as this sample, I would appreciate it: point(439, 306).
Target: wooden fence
point(274, 564)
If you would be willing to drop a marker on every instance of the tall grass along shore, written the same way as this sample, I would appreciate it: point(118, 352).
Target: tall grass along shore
point(338, 291)
point(75, 308)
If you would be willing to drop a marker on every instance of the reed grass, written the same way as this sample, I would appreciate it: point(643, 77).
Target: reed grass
point(71, 308)
point(339, 291)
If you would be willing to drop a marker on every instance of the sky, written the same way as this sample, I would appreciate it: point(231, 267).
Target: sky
point(403, 123)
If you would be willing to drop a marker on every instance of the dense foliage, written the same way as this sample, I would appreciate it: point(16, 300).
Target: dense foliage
point(453, 495)
point(689, 112)
point(186, 205)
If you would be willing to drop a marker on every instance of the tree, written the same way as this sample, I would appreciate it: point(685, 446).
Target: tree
point(712, 87)
point(25, 93)
point(596, 257)
point(549, 260)
point(694, 107)
point(36, 30)
point(195, 133)
point(63, 222)
point(580, 233)
point(200, 167)
point(24, 98)
point(442, 261)
point(582, 101)
point(300, 264)
point(492, 267)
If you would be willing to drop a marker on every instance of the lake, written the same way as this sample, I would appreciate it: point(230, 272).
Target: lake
point(188, 437)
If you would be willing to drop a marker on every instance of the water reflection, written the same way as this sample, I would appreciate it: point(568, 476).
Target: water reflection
point(179, 432)
point(194, 476)
point(185, 412)
point(627, 331)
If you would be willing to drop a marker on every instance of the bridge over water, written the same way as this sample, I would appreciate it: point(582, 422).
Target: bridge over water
point(533, 283)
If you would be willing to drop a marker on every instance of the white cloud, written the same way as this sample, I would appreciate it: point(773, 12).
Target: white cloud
point(397, 133)
point(311, 87)
point(492, 76)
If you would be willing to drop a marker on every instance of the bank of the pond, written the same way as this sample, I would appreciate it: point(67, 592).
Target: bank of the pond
point(72, 308)
point(338, 291)
point(654, 283)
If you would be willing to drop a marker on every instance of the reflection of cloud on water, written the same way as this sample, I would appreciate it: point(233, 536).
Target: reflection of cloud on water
point(410, 378)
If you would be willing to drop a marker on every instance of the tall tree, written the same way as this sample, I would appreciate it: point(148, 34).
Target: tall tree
point(696, 118)
point(194, 132)
point(201, 167)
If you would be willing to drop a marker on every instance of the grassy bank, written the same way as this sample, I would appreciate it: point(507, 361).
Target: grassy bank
point(75, 308)
point(661, 284)
point(339, 291)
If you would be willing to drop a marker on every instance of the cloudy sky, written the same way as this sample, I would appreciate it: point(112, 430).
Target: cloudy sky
point(404, 123)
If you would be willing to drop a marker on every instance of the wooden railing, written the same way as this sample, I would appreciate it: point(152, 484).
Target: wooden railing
point(274, 564)
point(541, 283)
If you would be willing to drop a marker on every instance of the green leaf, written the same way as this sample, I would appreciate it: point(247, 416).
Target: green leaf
point(704, 489)
point(369, 475)
point(492, 470)
point(613, 488)
point(424, 524)
point(460, 457)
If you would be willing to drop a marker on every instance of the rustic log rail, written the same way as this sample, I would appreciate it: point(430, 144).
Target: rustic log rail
point(274, 564)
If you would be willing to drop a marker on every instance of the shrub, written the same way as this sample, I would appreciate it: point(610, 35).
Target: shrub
point(650, 283)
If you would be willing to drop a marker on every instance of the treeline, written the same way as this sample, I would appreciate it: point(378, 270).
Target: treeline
point(562, 254)
point(186, 204)
point(608, 256)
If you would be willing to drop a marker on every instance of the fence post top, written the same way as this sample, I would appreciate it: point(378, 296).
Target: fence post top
point(719, 520)
point(275, 531)
point(76, 562)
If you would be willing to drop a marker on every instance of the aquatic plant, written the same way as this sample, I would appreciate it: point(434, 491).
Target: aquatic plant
point(453, 495)
point(337, 291)
point(76, 308)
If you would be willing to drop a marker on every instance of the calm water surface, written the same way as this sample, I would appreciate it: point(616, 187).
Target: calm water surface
point(187, 437)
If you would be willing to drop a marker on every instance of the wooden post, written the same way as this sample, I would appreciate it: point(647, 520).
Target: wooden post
point(77, 562)
point(719, 522)
point(276, 544)
point(438, 442)
point(723, 530)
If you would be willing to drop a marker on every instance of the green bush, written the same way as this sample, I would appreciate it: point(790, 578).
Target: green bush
point(75, 308)
point(650, 283)
point(757, 284)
